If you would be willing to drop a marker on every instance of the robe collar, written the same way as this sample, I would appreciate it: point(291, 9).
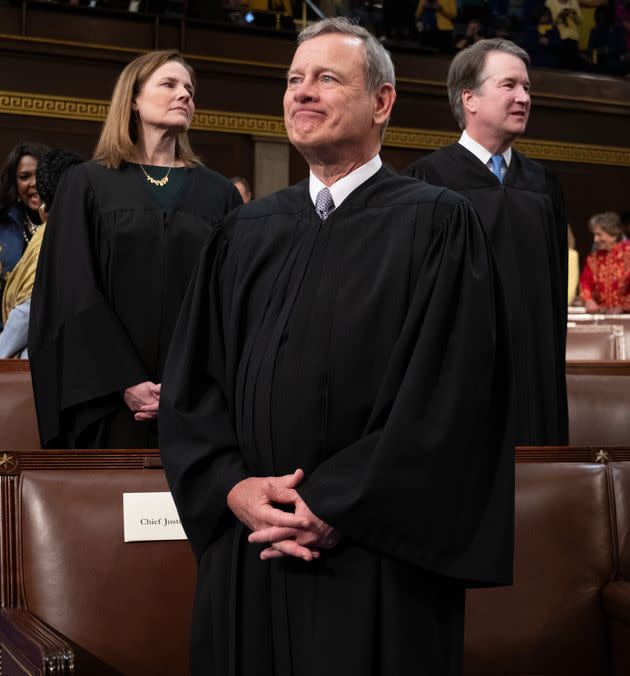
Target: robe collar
point(481, 153)
point(346, 185)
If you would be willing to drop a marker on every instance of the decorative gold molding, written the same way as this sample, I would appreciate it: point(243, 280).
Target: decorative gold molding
point(94, 110)
point(44, 105)
point(239, 123)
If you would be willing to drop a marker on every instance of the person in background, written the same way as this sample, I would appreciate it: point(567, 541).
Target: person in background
point(435, 23)
point(16, 300)
point(605, 278)
point(123, 237)
point(242, 185)
point(20, 214)
point(567, 18)
point(573, 267)
point(521, 204)
point(622, 14)
point(541, 38)
point(607, 44)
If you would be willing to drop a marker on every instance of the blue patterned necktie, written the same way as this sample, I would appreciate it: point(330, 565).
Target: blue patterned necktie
point(497, 165)
point(324, 203)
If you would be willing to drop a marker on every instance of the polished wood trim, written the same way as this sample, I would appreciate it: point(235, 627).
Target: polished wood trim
point(64, 459)
point(94, 110)
point(601, 455)
point(599, 368)
point(11, 587)
point(16, 661)
point(7, 365)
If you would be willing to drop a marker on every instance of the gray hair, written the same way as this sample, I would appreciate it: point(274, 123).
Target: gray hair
point(466, 71)
point(608, 221)
point(378, 67)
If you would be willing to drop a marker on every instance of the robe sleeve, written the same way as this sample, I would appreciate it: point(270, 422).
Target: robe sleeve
point(198, 442)
point(80, 354)
point(431, 481)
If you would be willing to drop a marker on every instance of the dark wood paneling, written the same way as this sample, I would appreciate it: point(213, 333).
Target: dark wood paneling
point(229, 154)
point(80, 137)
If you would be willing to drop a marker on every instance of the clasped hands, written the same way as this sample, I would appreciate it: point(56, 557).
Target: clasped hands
point(300, 533)
point(143, 400)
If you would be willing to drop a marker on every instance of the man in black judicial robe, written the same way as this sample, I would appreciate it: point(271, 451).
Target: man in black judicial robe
point(112, 273)
point(334, 404)
point(522, 210)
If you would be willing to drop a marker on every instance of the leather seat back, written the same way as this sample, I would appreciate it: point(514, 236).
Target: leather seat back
point(550, 622)
point(129, 604)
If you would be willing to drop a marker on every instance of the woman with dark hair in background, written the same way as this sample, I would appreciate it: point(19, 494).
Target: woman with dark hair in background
point(125, 232)
point(19, 204)
point(16, 299)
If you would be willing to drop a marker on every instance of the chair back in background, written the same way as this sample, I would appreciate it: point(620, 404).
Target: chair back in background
point(595, 342)
point(599, 403)
point(18, 422)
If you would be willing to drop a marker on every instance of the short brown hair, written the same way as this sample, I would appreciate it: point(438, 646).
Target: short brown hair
point(608, 221)
point(119, 135)
point(466, 70)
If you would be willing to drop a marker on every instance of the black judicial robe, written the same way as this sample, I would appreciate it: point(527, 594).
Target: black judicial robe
point(111, 277)
point(368, 350)
point(526, 224)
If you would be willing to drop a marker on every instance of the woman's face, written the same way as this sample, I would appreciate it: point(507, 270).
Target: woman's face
point(25, 182)
point(165, 101)
point(603, 239)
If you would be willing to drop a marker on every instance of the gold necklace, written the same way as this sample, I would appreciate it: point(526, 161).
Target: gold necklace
point(31, 227)
point(160, 182)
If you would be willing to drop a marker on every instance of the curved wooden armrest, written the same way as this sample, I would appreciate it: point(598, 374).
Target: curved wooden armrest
point(30, 646)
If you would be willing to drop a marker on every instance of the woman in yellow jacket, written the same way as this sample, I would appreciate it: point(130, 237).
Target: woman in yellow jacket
point(435, 22)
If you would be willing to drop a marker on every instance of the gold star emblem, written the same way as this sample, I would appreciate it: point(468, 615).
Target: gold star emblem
point(602, 457)
point(8, 463)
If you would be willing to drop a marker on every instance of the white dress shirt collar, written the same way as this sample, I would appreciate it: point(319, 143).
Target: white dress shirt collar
point(480, 152)
point(344, 186)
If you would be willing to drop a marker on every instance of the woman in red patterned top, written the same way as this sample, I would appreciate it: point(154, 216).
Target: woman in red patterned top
point(605, 279)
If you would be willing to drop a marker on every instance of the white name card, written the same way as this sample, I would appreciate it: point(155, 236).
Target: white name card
point(150, 517)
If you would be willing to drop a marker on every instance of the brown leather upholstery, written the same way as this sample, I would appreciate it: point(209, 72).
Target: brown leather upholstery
point(18, 424)
point(616, 600)
point(110, 607)
point(620, 473)
point(551, 621)
point(128, 605)
point(593, 342)
point(599, 403)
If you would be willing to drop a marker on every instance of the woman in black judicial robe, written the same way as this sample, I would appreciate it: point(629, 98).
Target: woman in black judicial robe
point(125, 232)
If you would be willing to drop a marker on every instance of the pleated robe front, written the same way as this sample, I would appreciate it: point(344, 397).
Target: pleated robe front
point(370, 350)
